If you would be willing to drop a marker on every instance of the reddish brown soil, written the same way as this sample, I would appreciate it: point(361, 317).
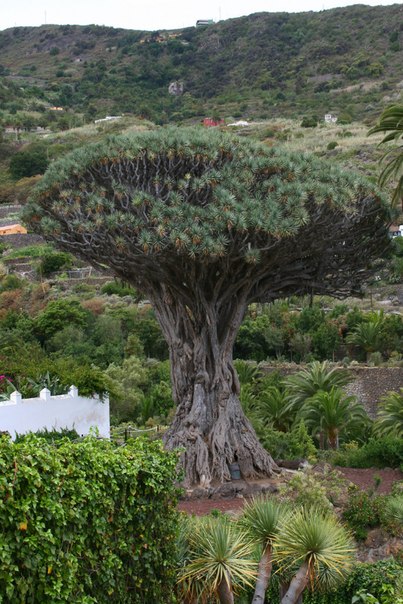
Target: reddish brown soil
point(363, 478)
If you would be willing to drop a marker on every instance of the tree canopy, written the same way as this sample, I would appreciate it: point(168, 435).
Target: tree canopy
point(157, 204)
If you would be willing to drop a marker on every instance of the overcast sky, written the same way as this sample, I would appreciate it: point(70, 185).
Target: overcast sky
point(151, 14)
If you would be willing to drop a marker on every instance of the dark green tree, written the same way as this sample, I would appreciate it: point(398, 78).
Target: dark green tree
point(28, 162)
point(203, 224)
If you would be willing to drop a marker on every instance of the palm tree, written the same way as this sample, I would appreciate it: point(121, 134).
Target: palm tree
point(260, 518)
point(391, 121)
point(332, 414)
point(390, 415)
point(220, 559)
point(274, 409)
point(317, 376)
point(368, 335)
point(316, 548)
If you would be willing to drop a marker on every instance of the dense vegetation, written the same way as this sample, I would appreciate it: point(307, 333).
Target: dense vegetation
point(86, 522)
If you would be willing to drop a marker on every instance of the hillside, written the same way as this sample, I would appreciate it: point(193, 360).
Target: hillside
point(347, 61)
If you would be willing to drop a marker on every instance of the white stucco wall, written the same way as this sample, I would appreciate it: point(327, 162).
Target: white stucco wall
point(18, 415)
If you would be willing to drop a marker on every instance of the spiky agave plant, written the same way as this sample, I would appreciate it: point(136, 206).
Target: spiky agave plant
point(261, 519)
point(316, 547)
point(219, 561)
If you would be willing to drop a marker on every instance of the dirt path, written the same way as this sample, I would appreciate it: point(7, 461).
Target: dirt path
point(364, 478)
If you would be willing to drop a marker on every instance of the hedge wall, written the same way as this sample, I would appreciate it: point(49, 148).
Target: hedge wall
point(86, 522)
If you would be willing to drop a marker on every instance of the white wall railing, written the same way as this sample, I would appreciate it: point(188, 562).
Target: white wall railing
point(71, 411)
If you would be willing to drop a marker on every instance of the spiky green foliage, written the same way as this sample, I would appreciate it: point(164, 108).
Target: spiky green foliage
point(334, 414)
point(390, 415)
point(274, 409)
point(368, 334)
point(216, 552)
point(315, 377)
point(394, 510)
point(157, 204)
point(391, 121)
point(318, 540)
point(260, 518)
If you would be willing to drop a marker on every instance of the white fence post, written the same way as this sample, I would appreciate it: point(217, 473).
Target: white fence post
point(15, 397)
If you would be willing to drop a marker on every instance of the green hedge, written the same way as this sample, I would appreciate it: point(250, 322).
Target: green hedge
point(386, 451)
point(86, 522)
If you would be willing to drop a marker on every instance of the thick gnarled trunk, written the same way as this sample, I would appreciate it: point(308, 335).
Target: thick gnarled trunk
point(209, 424)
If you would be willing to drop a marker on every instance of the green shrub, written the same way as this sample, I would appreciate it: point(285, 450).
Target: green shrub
point(309, 122)
point(10, 282)
point(362, 512)
point(383, 580)
point(87, 522)
point(332, 145)
point(376, 453)
point(54, 261)
point(113, 287)
point(51, 436)
point(29, 162)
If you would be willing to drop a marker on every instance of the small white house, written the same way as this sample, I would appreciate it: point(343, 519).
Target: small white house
point(330, 118)
point(108, 118)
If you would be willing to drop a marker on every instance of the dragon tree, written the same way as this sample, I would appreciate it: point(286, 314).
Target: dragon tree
point(205, 224)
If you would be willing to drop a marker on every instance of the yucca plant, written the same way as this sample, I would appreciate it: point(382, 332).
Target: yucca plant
point(390, 415)
point(219, 561)
point(316, 548)
point(261, 518)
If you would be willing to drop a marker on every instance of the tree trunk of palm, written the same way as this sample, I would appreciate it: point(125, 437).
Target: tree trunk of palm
point(333, 438)
point(263, 577)
point(225, 594)
point(297, 585)
point(209, 424)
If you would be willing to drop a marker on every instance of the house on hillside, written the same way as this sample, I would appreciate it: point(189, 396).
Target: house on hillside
point(209, 122)
point(13, 229)
point(204, 22)
point(396, 230)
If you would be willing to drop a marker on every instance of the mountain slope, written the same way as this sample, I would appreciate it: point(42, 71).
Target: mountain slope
point(347, 60)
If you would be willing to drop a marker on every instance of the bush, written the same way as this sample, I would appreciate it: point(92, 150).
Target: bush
point(376, 453)
point(309, 122)
point(28, 163)
point(332, 145)
point(54, 261)
point(362, 512)
point(51, 436)
point(87, 522)
point(113, 287)
point(381, 579)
